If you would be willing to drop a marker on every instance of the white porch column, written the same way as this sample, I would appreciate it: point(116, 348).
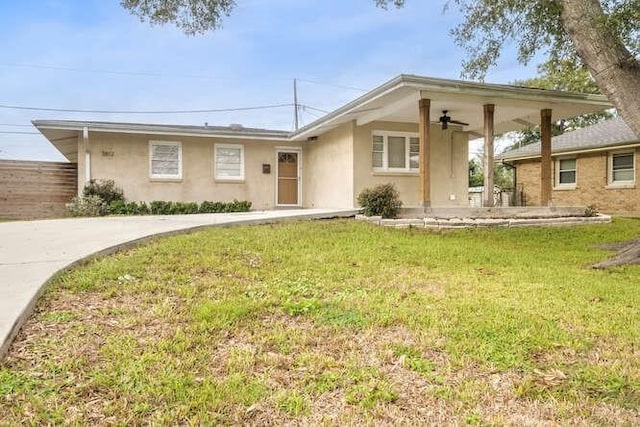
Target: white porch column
point(487, 159)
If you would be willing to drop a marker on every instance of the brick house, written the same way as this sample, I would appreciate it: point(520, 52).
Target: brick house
point(593, 166)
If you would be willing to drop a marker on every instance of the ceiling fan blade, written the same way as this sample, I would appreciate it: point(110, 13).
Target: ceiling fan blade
point(457, 122)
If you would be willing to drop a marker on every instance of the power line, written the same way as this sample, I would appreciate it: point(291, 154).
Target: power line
point(18, 133)
point(157, 74)
point(306, 110)
point(308, 107)
point(116, 72)
point(214, 110)
point(315, 82)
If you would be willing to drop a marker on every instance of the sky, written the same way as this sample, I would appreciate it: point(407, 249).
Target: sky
point(94, 55)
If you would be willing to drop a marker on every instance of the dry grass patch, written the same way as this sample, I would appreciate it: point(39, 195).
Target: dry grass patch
point(336, 323)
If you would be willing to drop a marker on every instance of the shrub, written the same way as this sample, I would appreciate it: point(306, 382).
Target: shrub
point(211, 207)
point(183, 208)
point(382, 200)
point(90, 205)
point(119, 207)
point(94, 206)
point(159, 207)
point(241, 205)
point(105, 189)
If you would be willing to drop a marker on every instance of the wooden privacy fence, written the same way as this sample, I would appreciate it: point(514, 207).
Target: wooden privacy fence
point(36, 189)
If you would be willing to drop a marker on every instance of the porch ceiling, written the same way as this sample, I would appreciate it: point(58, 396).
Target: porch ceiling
point(515, 107)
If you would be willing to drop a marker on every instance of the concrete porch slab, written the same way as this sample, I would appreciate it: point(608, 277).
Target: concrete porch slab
point(494, 212)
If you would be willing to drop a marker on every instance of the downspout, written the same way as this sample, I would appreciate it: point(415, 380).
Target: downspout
point(87, 154)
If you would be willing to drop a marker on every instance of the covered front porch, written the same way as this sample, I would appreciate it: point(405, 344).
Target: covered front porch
point(445, 115)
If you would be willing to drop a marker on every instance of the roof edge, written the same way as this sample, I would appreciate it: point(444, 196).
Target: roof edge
point(572, 151)
point(158, 129)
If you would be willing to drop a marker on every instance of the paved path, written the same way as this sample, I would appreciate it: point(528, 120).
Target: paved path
point(31, 252)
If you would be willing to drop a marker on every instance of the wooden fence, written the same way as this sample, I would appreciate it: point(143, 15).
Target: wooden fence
point(31, 190)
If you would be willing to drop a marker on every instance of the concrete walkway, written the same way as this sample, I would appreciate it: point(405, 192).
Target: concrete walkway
point(32, 252)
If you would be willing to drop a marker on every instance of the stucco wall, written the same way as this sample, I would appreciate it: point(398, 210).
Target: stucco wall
point(449, 175)
point(591, 186)
point(125, 159)
point(328, 169)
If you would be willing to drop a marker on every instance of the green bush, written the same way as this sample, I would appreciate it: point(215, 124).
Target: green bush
point(105, 189)
point(159, 207)
point(94, 206)
point(183, 208)
point(211, 207)
point(241, 205)
point(90, 205)
point(382, 200)
point(119, 207)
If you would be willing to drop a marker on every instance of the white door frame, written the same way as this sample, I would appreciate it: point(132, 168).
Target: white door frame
point(298, 151)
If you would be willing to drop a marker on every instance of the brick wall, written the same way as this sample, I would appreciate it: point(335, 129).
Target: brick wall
point(36, 189)
point(591, 188)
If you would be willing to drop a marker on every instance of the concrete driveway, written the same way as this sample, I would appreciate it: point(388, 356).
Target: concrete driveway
point(32, 252)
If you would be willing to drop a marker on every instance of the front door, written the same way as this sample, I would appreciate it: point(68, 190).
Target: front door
point(288, 178)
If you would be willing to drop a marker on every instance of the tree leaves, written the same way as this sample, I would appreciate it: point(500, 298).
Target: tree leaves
point(533, 26)
point(191, 16)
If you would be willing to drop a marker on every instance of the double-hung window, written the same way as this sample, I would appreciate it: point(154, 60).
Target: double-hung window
point(622, 168)
point(229, 162)
point(395, 152)
point(566, 173)
point(165, 160)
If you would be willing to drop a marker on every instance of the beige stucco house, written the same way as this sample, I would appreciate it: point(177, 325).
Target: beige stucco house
point(592, 166)
point(398, 132)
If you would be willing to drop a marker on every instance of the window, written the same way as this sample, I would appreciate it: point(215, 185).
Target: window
point(622, 168)
point(229, 161)
point(566, 172)
point(165, 160)
point(395, 152)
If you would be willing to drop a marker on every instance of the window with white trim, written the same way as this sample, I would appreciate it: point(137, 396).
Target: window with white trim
point(566, 172)
point(622, 168)
point(165, 160)
point(395, 152)
point(229, 161)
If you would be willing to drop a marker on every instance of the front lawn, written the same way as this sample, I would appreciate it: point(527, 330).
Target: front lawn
point(337, 322)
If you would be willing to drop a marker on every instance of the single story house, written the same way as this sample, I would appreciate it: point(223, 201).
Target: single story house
point(413, 131)
point(592, 166)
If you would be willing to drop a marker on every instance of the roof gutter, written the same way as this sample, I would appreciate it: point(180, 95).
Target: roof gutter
point(572, 152)
point(148, 131)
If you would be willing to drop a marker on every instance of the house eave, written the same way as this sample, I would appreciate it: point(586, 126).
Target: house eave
point(43, 125)
point(446, 89)
point(570, 152)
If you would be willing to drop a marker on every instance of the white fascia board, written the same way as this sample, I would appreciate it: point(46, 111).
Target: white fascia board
point(503, 91)
point(148, 131)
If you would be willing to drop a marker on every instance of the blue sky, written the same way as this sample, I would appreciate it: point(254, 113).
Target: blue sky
point(93, 55)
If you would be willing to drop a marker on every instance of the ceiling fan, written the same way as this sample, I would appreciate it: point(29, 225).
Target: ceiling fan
point(445, 119)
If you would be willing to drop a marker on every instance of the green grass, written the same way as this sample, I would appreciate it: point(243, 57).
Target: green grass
point(337, 322)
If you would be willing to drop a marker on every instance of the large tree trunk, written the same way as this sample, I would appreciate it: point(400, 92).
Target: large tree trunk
point(614, 68)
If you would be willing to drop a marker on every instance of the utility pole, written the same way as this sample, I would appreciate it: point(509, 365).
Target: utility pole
point(295, 102)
